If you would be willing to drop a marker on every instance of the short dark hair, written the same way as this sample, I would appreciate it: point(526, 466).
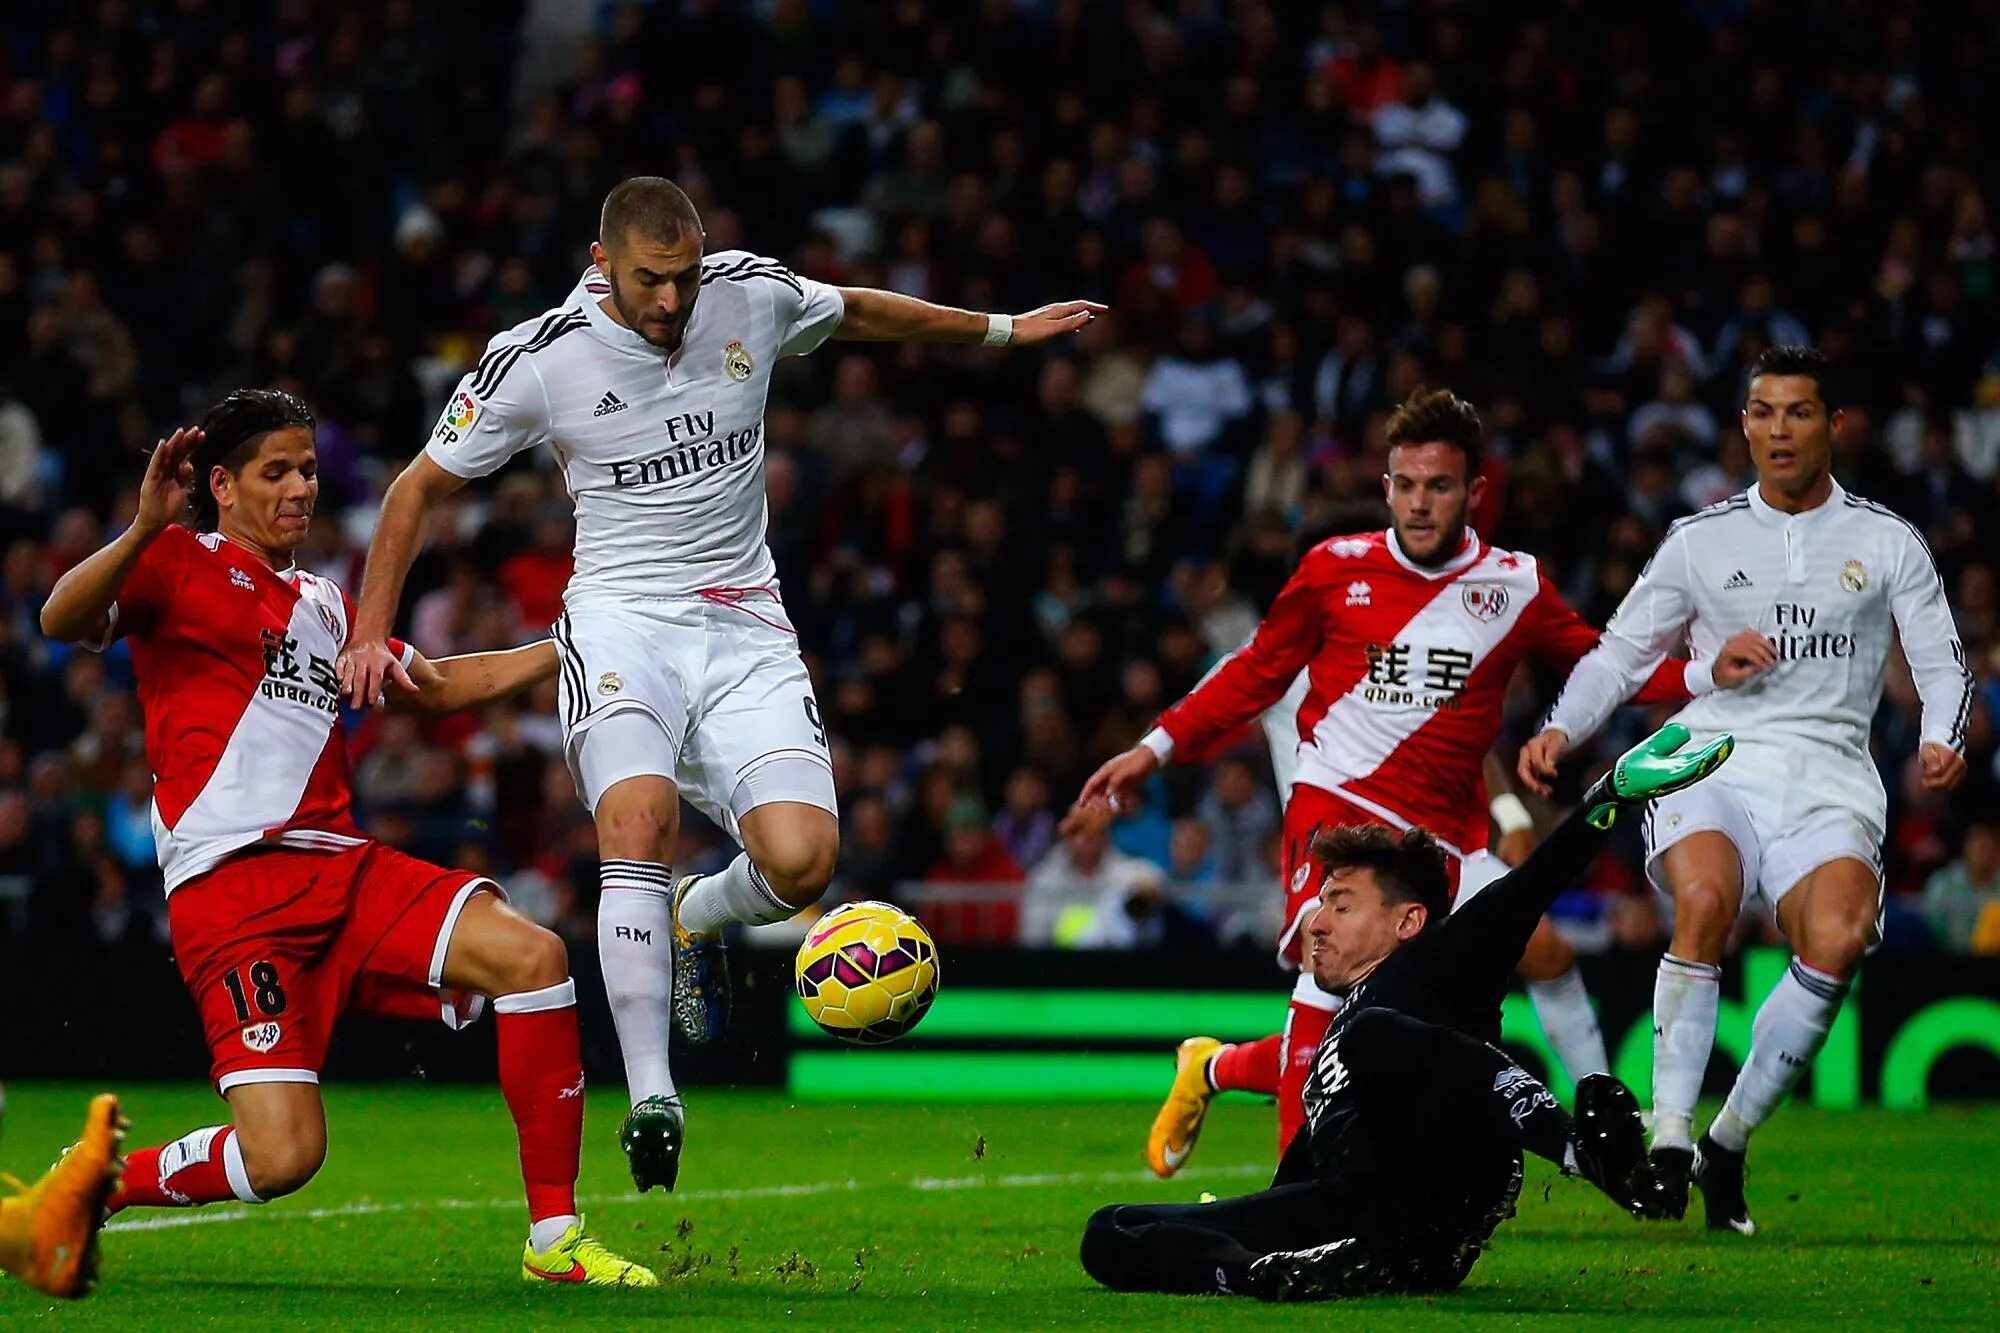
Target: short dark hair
point(231, 431)
point(1810, 362)
point(653, 207)
point(1408, 864)
point(1439, 416)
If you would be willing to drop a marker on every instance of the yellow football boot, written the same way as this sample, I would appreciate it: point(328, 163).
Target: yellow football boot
point(1178, 1124)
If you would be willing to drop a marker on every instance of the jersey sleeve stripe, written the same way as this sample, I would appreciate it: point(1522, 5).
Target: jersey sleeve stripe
point(489, 377)
point(493, 354)
point(745, 269)
point(774, 272)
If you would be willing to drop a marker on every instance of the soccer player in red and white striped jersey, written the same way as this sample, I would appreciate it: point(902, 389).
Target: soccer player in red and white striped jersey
point(1408, 638)
point(284, 914)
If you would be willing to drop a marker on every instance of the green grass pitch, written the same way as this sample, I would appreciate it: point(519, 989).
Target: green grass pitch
point(884, 1216)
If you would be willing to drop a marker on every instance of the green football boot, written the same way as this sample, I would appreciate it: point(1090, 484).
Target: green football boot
point(1653, 768)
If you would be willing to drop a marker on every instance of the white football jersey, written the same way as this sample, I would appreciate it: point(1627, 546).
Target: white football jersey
point(662, 454)
point(1823, 586)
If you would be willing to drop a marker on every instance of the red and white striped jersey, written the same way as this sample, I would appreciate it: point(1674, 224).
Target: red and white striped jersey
point(236, 680)
point(1407, 670)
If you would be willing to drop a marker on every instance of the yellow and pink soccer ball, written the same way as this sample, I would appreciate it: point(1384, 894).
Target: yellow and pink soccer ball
point(867, 972)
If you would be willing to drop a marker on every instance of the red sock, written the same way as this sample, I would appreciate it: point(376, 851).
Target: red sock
point(1304, 1027)
point(541, 1076)
point(1250, 1066)
point(190, 1170)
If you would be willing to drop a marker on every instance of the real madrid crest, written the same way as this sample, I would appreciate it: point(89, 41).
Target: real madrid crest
point(1853, 577)
point(608, 683)
point(737, 362)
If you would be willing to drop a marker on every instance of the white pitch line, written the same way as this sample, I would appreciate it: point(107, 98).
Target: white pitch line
point(363, 1208)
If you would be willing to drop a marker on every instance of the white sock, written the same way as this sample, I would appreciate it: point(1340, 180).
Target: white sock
point(1570, 1024)
point(1685, 998)
point(635, 945)
point(545, 1233)
point(1788, 1031)
point(737, 893)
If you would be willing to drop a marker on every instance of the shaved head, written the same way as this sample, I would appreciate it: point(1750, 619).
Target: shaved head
point(647, 208)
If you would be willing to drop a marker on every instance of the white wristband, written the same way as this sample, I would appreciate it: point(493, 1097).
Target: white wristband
point(999, 331)
point(1160, 743)
point(1699, 675)
point(1509, 815)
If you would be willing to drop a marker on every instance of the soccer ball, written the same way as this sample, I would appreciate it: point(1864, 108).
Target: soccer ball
point(867, 972)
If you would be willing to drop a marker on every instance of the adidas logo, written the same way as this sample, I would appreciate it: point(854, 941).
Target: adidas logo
point(608, 404)
point(1737, 580)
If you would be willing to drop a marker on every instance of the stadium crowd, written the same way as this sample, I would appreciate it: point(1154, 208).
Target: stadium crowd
point(1003, 566)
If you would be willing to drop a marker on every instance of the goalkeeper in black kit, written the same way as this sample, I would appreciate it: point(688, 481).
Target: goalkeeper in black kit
point(1416, 1121)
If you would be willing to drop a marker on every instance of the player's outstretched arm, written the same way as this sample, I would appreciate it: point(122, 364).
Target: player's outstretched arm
point(1487, 935)
point(879, 316)
point(79, 606)
point(1653, 614)
point(1248, 682)
point(472, 679)
point(1937, 664)
point(366, 665)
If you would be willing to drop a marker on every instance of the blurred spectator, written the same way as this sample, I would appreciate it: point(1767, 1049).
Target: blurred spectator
point(1240, 811)
point(1959, 895)
point(1078, 893)
point(1026, 825)
point(973, 853)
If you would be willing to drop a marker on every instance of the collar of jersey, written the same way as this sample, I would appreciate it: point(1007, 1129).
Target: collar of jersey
point(1778, 517)
point(1467, 556)
point(616, 334)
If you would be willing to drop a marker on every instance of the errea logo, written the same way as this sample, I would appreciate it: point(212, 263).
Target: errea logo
point(1348, 548)
point(1358, 594)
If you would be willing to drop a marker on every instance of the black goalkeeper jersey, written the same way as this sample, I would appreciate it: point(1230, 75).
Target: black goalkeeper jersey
point(1455, 975)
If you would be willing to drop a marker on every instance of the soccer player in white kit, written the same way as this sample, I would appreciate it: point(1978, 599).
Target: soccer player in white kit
point(681, 672)
point(1797, 818)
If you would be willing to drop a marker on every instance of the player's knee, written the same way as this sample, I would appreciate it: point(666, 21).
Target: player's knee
point(636, 827)
point(277, 1166)
point(1838, 946)
point(1704, 911)
point(1105, 1246)
point(798, 869)
point(537, 959)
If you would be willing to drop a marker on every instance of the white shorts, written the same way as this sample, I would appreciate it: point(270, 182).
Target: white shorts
point(712, 695)
point(1475, 872)
point(1784, 820)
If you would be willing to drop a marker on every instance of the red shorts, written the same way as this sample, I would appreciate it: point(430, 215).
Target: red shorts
point(278, 943)
point(1309, 810)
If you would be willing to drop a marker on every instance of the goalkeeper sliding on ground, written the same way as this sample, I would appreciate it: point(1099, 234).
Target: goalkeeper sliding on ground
point(48, 1230)
point(1416, 1121)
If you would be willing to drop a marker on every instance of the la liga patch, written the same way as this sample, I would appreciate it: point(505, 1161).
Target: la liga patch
point(462, 412)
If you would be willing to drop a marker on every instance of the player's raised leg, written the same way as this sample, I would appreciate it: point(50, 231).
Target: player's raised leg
point(497, 952)
point(1705, 874)
point(273, 1144)
point(789, 849)
point(1830, 917)
point(1203, 1067)
point(757, 762)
